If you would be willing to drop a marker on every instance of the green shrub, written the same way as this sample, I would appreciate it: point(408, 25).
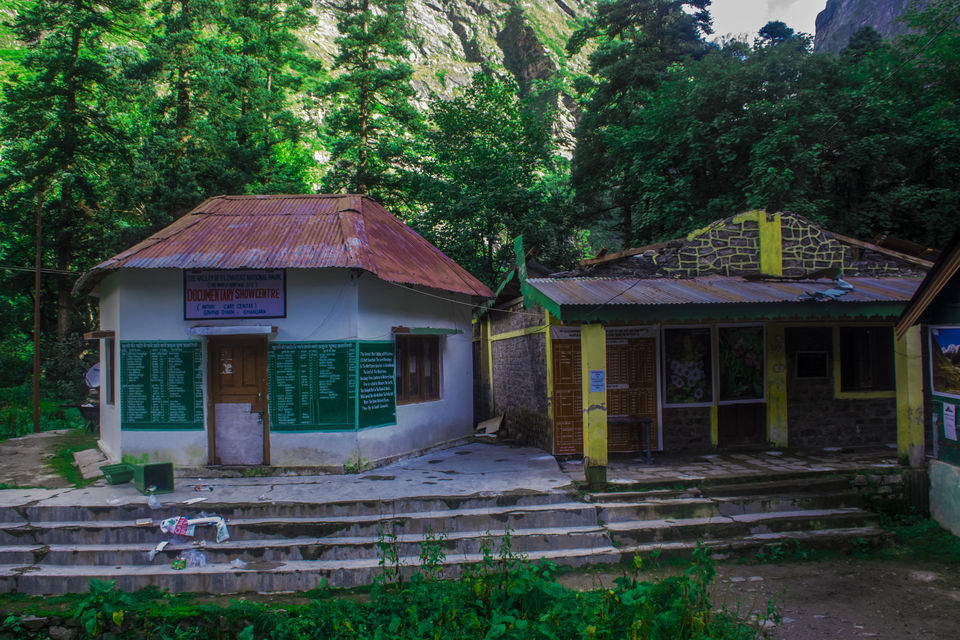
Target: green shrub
point(16, 413)
point(503, 597)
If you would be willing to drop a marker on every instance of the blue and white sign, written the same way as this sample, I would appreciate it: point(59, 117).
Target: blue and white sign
point(234, 293)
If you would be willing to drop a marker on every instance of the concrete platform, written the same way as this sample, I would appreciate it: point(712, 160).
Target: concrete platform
point(672, 470)
point(474, 469)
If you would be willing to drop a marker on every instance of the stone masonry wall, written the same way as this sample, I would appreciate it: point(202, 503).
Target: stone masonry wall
point(727, 247)
point(516, 317)
point(686, 429)
point(520, 389)
point(805, 247)
point(815, 418)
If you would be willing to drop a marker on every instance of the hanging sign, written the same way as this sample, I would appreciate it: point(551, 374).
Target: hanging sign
point(234, 293)
point(950, 421)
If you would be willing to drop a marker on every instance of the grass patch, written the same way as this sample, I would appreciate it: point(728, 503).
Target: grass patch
point(62, 461)
point(922, 539)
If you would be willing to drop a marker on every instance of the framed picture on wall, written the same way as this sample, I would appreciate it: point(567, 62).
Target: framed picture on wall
point(945, 361)
point(687, 366)
point(740, 358)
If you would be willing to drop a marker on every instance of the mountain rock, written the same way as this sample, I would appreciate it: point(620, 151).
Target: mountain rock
point(453, 39)
point(841, 18)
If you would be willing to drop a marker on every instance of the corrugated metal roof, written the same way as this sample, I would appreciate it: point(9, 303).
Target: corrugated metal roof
point(294, 232)
point(712, 290)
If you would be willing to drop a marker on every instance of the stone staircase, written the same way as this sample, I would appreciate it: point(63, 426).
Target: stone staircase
point(294, 546)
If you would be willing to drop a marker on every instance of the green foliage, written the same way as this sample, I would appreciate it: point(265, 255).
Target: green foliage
point(16, 413)
point(104, 608)
point(923, 539)
point(489, 173)
point(370, 114)
point(864, 143)
point(637, 43)
point(504, 596)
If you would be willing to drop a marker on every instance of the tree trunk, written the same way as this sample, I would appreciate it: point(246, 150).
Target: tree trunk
point(364, 112)
point(67, 210)
point(626, 222)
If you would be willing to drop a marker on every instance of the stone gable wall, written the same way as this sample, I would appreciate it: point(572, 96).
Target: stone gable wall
point(727, 247)
point(807, 248)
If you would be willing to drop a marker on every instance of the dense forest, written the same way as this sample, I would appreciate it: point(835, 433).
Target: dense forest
point(117, 117)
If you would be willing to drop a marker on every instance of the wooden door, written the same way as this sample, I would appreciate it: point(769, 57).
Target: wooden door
point(567, 398)
point(741, 424)
point(238, 392)
point(631, 393)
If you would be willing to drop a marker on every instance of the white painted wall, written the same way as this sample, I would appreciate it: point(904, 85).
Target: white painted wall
point(384, 305)
point(109, 413)
point(321, 305)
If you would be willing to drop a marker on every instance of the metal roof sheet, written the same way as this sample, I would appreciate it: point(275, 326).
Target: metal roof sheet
point(712, 290)
point(295, 232)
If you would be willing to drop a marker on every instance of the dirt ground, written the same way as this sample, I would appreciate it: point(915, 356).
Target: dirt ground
point(841, 598)
point(24, 461)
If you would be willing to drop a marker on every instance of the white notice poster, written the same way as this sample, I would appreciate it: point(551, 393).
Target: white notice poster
point(950, 421)
point(598, 380)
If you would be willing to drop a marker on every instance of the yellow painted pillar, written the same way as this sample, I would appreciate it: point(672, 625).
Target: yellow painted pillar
point(714, 424)
point(909, 368)
point(776, 385)
point(593, 362)
point(549, 320)
point(486, 361)
point(771, 244)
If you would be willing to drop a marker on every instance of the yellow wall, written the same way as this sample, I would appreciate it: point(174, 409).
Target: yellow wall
point(776, 385)
point(909, 367)
point(593, 357)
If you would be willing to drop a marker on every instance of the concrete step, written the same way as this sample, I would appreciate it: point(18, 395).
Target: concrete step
point(134, 507)
point(750, 478)
point(262, 577)
point(295, 549)
point(736, 526)
point(269, 577)
point(767, 485)
point(701, 507)
point(838, 539)
point(570, 514)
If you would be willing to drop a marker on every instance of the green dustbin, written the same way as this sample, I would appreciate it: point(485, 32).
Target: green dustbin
point(155, 474)
point(117, 473)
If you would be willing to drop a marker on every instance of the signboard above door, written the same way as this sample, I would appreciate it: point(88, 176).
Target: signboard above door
point(234, 293)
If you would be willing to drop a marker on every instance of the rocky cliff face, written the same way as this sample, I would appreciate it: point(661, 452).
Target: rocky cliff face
point(455, 38)
point(841, 18)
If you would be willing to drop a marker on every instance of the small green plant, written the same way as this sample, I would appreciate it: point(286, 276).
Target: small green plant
point(860, 547)
point(432, 555)
point(143, 458)
point(103, 607)
point(13, 623)
point(357, 464)
point(261, 471)
point(389, 552)
point(773, 553)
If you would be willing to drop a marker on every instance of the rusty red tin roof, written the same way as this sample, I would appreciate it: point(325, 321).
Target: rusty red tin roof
point(294, 232)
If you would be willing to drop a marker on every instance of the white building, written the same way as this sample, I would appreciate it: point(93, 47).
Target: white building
point(233, 337)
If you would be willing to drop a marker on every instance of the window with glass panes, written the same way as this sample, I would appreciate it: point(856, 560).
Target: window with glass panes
point(418, 368)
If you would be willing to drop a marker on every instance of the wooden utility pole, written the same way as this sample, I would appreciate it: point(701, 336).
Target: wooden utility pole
point(36, 323)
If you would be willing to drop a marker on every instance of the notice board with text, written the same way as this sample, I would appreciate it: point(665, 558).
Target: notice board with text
point(161, 385)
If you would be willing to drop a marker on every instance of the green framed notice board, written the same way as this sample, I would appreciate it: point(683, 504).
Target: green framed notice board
point(161, 385)
point(378, 384)
point(311, 388)
point(313, 385)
